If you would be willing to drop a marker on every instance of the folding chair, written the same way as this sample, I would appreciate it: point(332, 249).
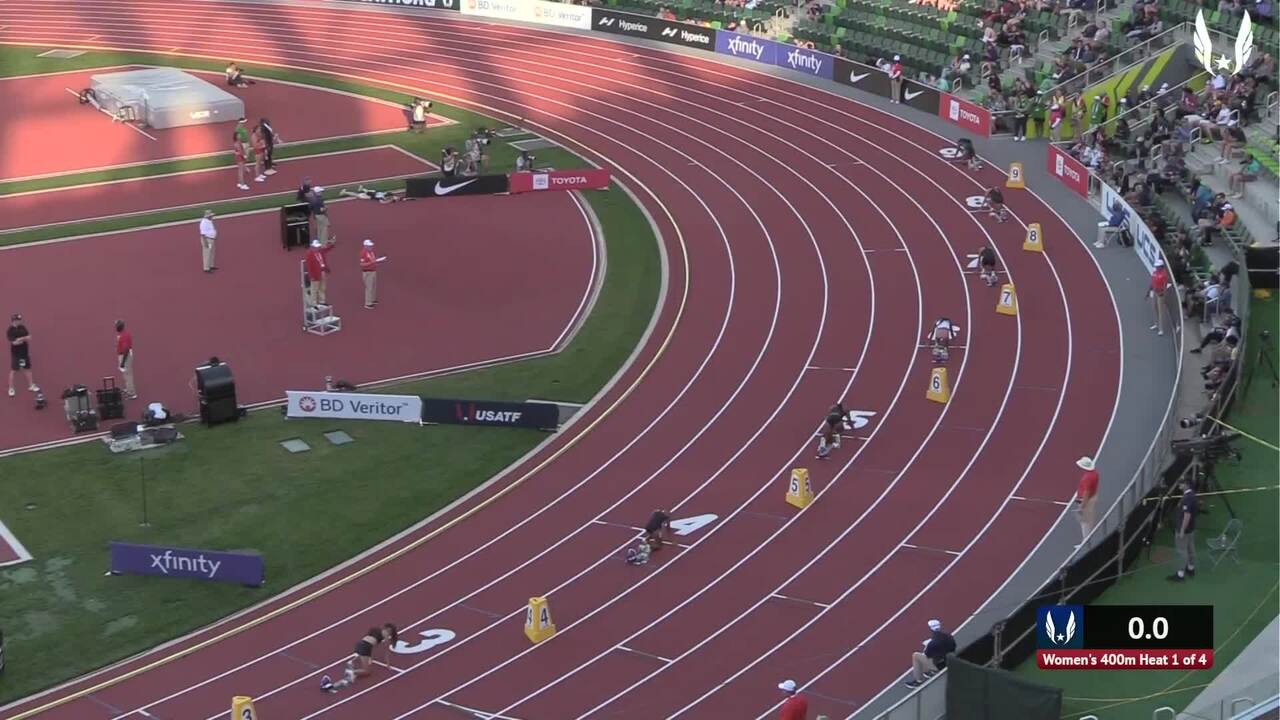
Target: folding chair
point(1225, 544)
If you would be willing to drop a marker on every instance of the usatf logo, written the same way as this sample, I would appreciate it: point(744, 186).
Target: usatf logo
point(1204, 46)
point(1060, 626)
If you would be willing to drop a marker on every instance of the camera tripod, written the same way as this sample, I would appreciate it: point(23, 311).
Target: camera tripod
point(1264, 358)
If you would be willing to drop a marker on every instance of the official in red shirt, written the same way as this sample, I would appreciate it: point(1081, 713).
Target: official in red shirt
point(1159, 285)
point(369, 273)
point(895, 79)
point(795, 707)
point(124, 357)
point(318, 271)
point(1087, 496)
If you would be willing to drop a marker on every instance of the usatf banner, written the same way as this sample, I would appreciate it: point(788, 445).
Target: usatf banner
point(541, 12)
point(974, 118)
point(1144, 242)
point(652, 28)
point(535, 415)
point(239, 568)
point(445, 187)
point(1069, 170)
point(586, 179)
point(353, 406)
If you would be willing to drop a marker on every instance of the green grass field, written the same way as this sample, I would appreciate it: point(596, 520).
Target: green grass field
point(233, 487)
point(1244, 596)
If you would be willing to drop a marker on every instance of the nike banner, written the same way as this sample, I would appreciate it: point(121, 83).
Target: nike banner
point(586, 179)
point(974, 118)
point(652, 28)
point(448, 187)
point(425, 4)
point(1069, 170)
point(534, 415)
point(869, 78)
point(541, 12)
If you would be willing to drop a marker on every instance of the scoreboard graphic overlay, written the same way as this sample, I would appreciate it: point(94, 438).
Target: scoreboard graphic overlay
point(1124, 637)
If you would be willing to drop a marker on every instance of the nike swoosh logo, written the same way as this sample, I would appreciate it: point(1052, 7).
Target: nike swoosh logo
point(446, 190)
point(854, 77)
point(913, 95)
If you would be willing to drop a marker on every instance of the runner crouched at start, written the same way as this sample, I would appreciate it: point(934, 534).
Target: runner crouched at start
point(967, 155)
point(944, 331)
point(829, 435)
point(995, 203)
point(987, 260)
point(384, 637)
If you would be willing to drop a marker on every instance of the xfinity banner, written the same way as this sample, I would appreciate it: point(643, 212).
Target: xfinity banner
point(541, 12)
point(446, 187)
point(239, 568)
point(792, 57)
point(428, 4)
point(652, 28)
point(586, 179)
point(535, 415)
point(354, 406)
point(1069, 170)
point(1144, 243)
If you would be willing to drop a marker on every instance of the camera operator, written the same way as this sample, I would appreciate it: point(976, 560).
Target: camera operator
point(524, 163)
point(448, 162)
point(1229, 327)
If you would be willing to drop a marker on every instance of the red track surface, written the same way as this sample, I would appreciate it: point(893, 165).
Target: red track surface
point(249, 313)
point(814, 235)
point(201, 186)
point(46, 131)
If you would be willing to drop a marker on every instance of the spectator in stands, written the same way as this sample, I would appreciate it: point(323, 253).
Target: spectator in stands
point(1185, 531)
point(1223, 219)
point(1112, 226)
point(934, 658)
point(1057, 113)
point(1087, 496)
point(796, 706)
point(1228, 326)
point(1021, 112)
point(1189, 104)
point(1232, 135)
point(1235, 183)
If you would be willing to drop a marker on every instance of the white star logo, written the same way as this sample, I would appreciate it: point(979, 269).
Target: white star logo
point(1224, 62)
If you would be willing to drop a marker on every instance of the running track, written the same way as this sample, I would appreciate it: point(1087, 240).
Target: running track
point(805, 235)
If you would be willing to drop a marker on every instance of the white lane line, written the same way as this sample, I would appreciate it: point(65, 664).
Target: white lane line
point(12, 541)
point(478, 714)
point(930, 549)
point(640, 652)
point(839, 369)
point(1039, 500)
point(780, 596)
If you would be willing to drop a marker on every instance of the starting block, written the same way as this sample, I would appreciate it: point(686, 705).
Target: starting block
point(1008, 302)
point(537, 621)
point(242, 708)
point(1035, 239)
point(1017, 180)
point(939, 388)
point(799, 490)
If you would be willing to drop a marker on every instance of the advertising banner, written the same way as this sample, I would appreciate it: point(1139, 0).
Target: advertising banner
point(869, 78)
point(533, 11)
point(426, 4)
point(239, 568)
point(585, 179)
point(651, 28)
point(1144, 243)
point(747, 46)
point(538, 416)
point(1069, 170)
point(353, 406)
point(974, 118)
point(444, 187)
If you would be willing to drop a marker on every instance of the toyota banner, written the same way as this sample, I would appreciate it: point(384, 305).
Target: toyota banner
point(586, 179)
point(533, 415)
point(1069, 170)
point(158, 560)
point(974, 118)
point(652, 28)
point(353, 406)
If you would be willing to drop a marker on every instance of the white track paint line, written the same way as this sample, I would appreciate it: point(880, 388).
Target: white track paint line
point(930, 549)
point(1040, 500)
point(780, 596)
point(12, 541)
point(392, 668)
point(886, 250)
point(840, 369)
point(478, 714)
point(641, 652)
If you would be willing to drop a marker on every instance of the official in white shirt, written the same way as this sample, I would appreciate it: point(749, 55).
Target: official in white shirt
point(208, 234)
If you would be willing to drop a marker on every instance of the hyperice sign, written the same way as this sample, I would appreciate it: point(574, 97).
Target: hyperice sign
point(773, 53)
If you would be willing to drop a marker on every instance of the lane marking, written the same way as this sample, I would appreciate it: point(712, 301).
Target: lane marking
point(780, 596)
point(926, 548)
point(840, 369)
point(641, 652)
point(1040, 500)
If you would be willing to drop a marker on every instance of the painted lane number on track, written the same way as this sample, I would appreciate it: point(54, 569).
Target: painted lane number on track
point(430, 638)
point(973, 262)
point(976, 202)
point(688, 526)
point(858, 419)
point(949, 153)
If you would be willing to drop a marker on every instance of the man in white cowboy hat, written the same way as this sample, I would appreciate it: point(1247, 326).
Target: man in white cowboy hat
point(895, 79)
point(795, 707)
point(369, 273)
point(1087, 496)
point(1160, 283)
point(934, 658)
point(208, 234)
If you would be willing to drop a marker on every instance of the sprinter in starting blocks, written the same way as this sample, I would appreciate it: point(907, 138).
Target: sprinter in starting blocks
point(944, 331)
